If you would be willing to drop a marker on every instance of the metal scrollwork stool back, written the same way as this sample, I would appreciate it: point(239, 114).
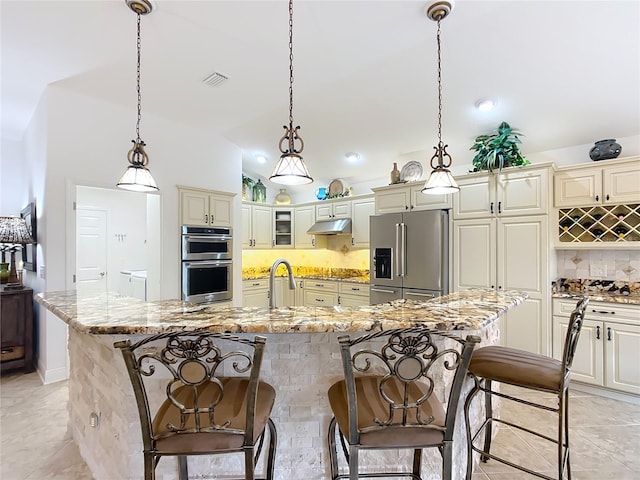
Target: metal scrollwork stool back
point(528, 371)
point(213, 402)
point(388, 398)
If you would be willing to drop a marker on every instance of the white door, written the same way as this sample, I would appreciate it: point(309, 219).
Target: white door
point(91, 250)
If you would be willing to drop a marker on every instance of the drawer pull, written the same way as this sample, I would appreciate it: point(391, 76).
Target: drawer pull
point(255, 284)
point(319, 300)
point(603, 312)
point(355, 289)
point(321, 285)
point(6, 350)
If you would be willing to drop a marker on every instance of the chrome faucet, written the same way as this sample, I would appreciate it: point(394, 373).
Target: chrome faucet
point(292, 282)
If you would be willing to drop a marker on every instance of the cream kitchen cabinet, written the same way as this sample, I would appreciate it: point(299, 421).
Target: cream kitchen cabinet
point(361, 209)
point(353, 294)
point(407, 197)
point(615, 182)
point(608, 351)
point(330, 209)
point(255, 293)
point(205, 207)
point(304, 218)
point(256, 225)
point(320, 293)
point(510, 253)
point(513, 192)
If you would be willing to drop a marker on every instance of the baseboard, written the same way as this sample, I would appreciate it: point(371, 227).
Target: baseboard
point(52, 376)
point(604, 392)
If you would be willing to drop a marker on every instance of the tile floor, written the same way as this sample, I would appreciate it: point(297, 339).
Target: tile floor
point(605, 437)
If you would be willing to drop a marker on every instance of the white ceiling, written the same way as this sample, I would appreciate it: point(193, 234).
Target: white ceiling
point(564, 72)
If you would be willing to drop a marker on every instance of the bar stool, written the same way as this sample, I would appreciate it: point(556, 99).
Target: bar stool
point(215, 402)
point(529, 371)
point(387, 400)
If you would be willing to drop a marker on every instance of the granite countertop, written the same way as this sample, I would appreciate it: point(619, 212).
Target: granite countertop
point(608, 291)
point(110, 314)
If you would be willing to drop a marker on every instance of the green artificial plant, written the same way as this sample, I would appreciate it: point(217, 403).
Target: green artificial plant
point(247, 180)
point(498, 150)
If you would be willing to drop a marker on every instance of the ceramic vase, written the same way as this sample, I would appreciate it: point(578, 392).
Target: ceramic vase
point(283, 197)
point(395, 174)
point(605, 150)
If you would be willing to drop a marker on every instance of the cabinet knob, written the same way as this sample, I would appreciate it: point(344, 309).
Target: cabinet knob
point(597, 198)
point(607, 197)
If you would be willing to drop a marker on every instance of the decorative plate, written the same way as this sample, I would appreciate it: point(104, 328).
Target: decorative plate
point(411, 172)
point(335, 187)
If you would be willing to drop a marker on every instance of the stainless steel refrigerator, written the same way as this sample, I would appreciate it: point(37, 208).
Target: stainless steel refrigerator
point(409, 255)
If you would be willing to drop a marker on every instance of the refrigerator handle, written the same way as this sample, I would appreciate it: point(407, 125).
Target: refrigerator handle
point(396, 260)
point(403, 251)
point(382, 290)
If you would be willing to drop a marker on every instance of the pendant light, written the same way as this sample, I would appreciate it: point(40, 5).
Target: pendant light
point(290, 169)
point(137, 177)
point(440, 181)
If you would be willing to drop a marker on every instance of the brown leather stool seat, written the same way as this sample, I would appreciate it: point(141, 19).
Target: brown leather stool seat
point(529, 371)
point(517, 367)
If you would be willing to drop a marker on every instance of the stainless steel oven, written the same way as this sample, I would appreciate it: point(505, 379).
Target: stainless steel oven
point(205, 281)
point(207, 266)
point(207, 243)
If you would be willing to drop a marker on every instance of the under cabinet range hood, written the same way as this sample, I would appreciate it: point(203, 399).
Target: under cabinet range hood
point(332, 226)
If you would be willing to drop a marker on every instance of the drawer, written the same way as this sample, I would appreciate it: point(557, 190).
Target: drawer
point(320, 299)
point(255, 284)
point(11, 353)
point(599, 310)
point(311, 284)
point(354, 288)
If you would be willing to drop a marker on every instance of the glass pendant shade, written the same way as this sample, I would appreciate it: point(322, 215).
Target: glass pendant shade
point(291, 170)
point(137, 178)
point(440, 182)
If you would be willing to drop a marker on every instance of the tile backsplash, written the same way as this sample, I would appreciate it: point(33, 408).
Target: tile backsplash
point(618, 265)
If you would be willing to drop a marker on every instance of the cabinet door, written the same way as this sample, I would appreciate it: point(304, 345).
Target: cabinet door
point(421, 201)
point(362, 209)
point(247, 234)
point(522, 193)
point(622, 353)
point(522, 264)
point(195, 208)
point(304, 218)
point(578, 188)
point(12, 307)
point(588, 365)
point(285, 297)
point(261, 226)
point(255, 298)
point(353, 300)
point(476, 198)
point(220, 210)
point(621, 184)
point(283, 231)
point(394, 199)
point(474, 254)
point(342, 209)
point(324, 212)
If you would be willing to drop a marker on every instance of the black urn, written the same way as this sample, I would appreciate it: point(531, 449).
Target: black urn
point(605, 150)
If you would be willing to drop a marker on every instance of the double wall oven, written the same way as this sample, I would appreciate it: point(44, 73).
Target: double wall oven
point(207, 264)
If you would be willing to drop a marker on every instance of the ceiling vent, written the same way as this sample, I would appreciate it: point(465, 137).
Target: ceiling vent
point(215, 79)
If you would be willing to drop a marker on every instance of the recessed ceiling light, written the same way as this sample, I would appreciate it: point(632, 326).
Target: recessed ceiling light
point(261, 158)
point(352, 157)
point(486, 104)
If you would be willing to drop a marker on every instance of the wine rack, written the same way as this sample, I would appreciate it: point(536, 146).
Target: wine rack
point(599, 224)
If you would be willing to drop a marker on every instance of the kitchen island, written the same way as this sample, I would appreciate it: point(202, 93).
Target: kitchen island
point(301, 361)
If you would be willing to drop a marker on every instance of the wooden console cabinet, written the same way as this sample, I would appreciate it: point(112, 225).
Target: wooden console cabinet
point(16, 330)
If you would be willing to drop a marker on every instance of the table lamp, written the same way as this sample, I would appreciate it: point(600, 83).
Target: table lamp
point(14, 230)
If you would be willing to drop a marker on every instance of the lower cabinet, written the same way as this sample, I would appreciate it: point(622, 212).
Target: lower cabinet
point(320, 293)
point(255, 293)
point(353, 294)
point(16, 329)
point(608, 352)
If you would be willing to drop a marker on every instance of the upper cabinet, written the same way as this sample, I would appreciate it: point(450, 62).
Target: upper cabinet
point(330, 209)
point(513, 192)
point(256, 225)
point(362, 209)
point(283, 231)
point(205, 208)
point(304, 218)
point(407, 197)
point(612, 182)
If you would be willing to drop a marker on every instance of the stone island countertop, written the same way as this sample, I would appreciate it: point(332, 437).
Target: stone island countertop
point(113, 314)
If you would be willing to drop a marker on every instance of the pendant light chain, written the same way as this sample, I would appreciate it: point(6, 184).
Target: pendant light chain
point(439, 89)
point(138, 85)
point(291, 63)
